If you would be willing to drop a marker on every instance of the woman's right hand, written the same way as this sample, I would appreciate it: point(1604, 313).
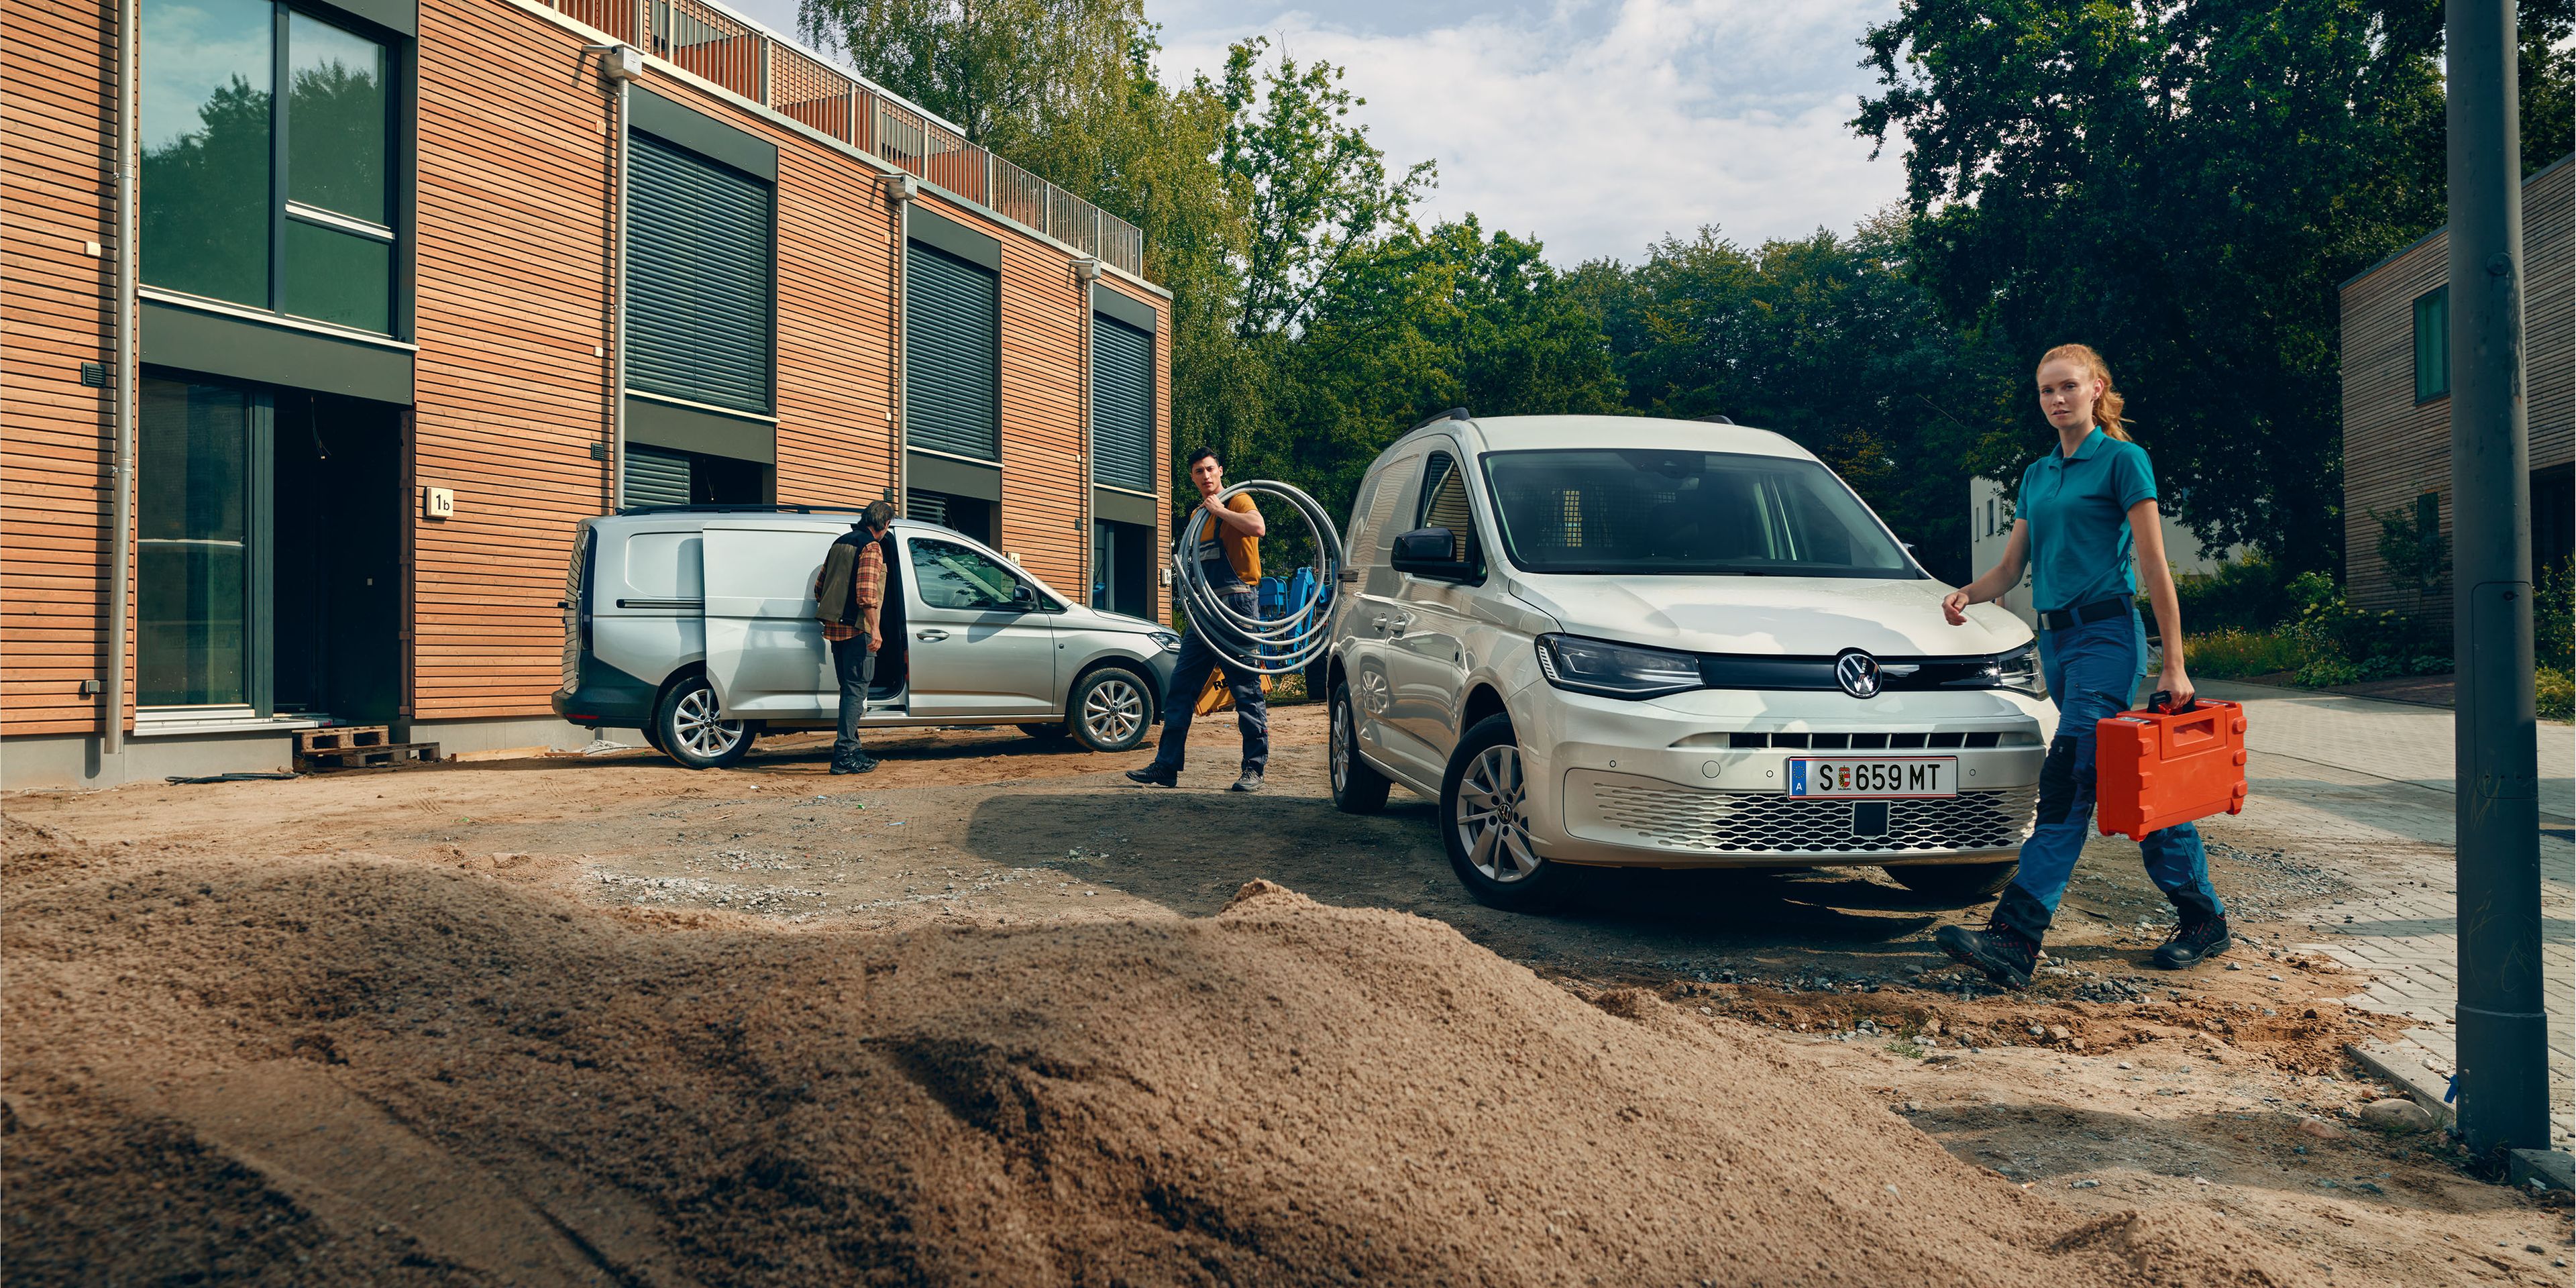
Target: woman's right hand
point(1954, 606)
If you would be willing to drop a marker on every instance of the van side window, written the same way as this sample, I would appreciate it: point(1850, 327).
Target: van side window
point(948, 575)
point(1444, 505)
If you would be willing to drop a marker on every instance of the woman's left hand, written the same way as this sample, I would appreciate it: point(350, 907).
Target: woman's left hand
point(2175, 684)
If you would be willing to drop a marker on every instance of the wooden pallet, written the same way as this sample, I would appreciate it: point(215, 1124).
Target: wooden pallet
point(390, 755)
point(341, 738)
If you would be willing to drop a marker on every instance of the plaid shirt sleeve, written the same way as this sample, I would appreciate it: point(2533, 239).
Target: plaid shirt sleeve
point(867, 585)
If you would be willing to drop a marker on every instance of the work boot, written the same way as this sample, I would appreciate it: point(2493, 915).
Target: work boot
point(859, 764)
point(1154, 776)
point(2193, 942)
point(2004, 954)
point(1250, 782)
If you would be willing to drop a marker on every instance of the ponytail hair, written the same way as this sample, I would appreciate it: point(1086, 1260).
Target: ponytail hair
point(2106, 409)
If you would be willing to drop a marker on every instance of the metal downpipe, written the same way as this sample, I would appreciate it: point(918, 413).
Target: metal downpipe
point(121, 562)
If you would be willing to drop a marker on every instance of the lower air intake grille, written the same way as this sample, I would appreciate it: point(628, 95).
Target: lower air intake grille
point(1774, 823)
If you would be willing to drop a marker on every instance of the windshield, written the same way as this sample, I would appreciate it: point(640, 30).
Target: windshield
point(1684, 514)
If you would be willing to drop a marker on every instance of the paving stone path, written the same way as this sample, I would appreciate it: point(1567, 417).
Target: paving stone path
point(2364, 789)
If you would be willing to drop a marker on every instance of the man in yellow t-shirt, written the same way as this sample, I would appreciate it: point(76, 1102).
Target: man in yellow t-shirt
point(1229, 555)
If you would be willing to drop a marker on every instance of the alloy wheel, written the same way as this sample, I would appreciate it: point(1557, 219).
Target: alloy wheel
point(1339, 753)
point(700, 728)
point(1489, 819)
point(1113, 711)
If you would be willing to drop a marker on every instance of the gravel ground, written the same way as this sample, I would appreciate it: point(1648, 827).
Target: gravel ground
point(2108, 1085)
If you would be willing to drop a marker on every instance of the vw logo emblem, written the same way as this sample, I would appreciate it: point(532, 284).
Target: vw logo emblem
point(1857, 672)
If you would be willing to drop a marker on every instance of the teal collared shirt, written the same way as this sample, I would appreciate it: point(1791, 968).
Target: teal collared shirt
point(2078, 510)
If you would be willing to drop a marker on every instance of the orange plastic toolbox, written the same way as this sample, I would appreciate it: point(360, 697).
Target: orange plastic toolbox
point(2155, 768)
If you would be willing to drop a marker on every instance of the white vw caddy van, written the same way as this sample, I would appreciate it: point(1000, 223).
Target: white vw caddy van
point(696, 624)
point(1616, 641)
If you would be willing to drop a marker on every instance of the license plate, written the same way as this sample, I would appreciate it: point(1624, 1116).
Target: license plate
point(1879, 777)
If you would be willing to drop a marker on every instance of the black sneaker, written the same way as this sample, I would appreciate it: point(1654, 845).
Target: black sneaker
point(2194, 942)
point(1250, 782)
point(854, 765)
point(1154, 776)
point(2001, 952)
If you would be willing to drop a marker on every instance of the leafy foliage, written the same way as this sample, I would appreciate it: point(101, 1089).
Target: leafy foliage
point(2182, 187)
point(2412, 546)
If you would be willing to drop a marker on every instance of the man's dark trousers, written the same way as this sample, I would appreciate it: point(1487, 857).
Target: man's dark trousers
point(855, 666)
point(1190, 676)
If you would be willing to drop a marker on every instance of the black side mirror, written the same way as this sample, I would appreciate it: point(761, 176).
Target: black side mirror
point(1430, 552)
point(1022, 596)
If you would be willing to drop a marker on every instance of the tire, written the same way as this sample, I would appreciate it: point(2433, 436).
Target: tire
point(687, 730)
point(1045, 732)
point(1357, 789)
point(1109, 709)
point(1965, 882)
point(653, 733)
point(1492, 857)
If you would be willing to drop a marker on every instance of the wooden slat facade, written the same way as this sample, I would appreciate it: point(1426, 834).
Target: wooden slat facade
point(58, 138)
point(513, 234)
point(2394, 449)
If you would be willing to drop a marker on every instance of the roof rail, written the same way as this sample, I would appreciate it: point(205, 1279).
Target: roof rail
point(730, 508)
point(1454, 413)
point(1715, 419)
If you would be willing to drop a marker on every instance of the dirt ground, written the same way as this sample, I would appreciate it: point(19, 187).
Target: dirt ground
point(992, 1015)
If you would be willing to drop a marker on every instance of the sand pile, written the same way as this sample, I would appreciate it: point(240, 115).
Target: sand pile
point(344, 1069)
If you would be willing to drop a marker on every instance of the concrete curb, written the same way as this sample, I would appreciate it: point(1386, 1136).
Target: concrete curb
point(2547, 1168)
point(2409, 1072)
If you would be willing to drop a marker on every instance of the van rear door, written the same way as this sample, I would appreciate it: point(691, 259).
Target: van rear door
point(765, 652)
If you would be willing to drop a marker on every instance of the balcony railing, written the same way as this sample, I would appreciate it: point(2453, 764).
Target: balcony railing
point(718, 45)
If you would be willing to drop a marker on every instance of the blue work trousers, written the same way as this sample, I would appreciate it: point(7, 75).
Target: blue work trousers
point(1190, 676)
point(2093, 670)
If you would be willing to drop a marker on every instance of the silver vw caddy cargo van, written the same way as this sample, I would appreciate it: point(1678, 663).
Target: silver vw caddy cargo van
point(697, 626)
point(1610, 640)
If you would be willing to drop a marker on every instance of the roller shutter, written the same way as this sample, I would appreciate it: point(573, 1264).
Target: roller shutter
point(701, 272)
point(1122, 405)
point(656, 478)
point(953, 355)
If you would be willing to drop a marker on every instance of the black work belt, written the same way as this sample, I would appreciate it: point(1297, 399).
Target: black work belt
point(2100, 610)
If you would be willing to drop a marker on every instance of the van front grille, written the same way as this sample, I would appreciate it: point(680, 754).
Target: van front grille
point(1775, 823)
point(1875, 741)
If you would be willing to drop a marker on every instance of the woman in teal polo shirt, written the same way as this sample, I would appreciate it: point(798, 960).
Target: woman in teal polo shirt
point(2086, 523)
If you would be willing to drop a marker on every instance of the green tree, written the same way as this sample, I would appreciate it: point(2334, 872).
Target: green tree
point(1006, 71)
point(1828, 340)
point(2182, 187)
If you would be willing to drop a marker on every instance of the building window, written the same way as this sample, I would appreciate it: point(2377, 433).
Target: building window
point(1122, 405)
point(952, 355)
point(701, 279)
point(203, 459)
point(2433, 344)
point(306, 228)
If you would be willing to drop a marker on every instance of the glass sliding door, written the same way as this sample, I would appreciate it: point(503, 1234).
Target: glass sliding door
point(275, 198)
point(201, 572)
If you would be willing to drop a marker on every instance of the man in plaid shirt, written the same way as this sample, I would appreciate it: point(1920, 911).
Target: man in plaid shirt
point(847, 594)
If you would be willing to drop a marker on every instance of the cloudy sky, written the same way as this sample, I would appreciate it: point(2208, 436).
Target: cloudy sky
point(1595, 125)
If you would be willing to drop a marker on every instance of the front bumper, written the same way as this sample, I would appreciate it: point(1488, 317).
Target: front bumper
point(1663, 783)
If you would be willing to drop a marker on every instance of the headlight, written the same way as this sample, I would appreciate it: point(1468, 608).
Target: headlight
point(1166, 641)
point(1615, 670)
point(2019, 671)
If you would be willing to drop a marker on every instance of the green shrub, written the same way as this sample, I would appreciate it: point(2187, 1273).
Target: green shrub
point(2248, 594)
point(2556, 693)
point(2553, 616)
point(2234, 654)
point(2327, 672)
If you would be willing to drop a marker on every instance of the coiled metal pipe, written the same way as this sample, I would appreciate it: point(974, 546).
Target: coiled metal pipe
point(1288, 644)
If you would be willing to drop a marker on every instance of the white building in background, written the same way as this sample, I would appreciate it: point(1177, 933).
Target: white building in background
point(1990, 517)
